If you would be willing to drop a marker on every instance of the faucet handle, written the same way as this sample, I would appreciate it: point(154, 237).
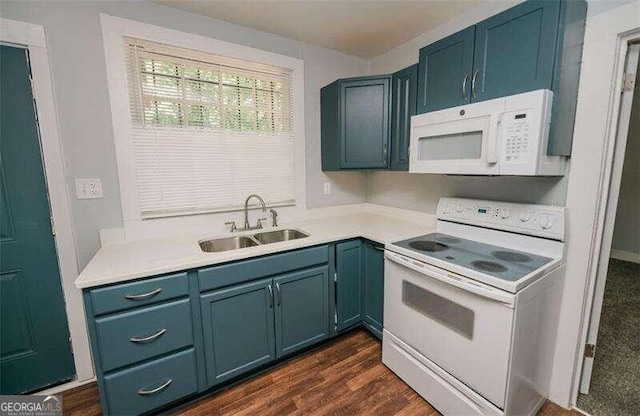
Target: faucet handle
point(232, 224)
point(260, 222)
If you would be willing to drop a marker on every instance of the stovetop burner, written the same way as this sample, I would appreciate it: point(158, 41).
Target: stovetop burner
point(430, 246)
point(477, 257)
point(448, 240)
point(489, 266)
point(511, 256)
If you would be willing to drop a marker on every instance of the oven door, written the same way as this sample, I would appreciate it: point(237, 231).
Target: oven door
point(462, 326)
point(447, 142)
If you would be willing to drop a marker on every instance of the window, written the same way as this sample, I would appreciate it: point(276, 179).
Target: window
point(207, 130)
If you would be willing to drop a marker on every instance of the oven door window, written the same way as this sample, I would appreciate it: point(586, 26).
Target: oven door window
point(456, 146)
point(450, 314)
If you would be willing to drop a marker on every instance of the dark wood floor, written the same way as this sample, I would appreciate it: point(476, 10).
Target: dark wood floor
point(345, 377)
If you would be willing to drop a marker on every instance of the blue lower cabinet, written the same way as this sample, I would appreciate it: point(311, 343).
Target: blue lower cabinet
point(302, 309)
point(238, 329)
point(373, 282)
point(349, 267)
point(151, 385)
point(133, 336)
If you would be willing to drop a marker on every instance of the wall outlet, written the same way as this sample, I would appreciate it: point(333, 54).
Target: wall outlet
point(327, 188)
point(88, 188)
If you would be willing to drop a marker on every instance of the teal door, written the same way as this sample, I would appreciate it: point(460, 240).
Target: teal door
point(403, 104)
point(238, 329)
point(373, 281)
point(34, 336)
point(349, 265)
point(445, 73)
point(302, 309)
point(515, 50)
point(364, 122)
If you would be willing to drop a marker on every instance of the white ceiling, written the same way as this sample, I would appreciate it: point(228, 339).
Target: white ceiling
point(362, 28)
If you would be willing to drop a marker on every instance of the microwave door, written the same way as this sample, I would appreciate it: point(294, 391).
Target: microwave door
point(455, 147)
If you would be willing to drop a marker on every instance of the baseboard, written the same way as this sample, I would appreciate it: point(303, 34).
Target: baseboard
point(625, 255)
point(65, 386)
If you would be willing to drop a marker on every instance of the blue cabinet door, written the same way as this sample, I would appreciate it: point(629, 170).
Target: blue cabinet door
point(349, 266)
point(373, 282)
point(445, 67)
point(238, 329)
point(34, 336)
point(515, 50)
point(364, 122)
point(302, 309)
point(403, 106)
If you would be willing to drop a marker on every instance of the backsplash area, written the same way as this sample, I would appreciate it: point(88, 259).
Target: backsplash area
point(420, 192)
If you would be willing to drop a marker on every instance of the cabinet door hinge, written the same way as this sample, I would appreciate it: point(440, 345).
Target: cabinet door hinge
point(628, 82)
point(589, 350)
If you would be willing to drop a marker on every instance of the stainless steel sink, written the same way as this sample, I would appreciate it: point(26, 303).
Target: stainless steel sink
point(279, 235)
point(229, 243)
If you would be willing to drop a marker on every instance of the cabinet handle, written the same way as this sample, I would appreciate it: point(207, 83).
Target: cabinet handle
point(384, 153)
point(144, 295)
point(149, 338)
point(464, 86)
point(143, 392)
point(270, 296)
point(279, 293)
point(473, 83)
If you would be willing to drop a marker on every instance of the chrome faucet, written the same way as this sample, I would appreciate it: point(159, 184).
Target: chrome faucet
point(246, 212)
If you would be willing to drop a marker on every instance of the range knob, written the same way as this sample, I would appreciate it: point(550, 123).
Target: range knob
point(446, 209)
point(546, 224)
point(504, 213)
point(459, 208)
point(525, 216)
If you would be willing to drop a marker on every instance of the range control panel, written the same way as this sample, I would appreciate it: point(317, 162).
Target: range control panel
point(539, 220)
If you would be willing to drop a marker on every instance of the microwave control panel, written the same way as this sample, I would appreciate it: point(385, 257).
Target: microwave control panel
point(517, 132)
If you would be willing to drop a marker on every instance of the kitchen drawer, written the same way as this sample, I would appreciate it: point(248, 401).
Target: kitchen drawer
point(151, 385)
point(135, 294)
point(133, 336)
point(246, 270)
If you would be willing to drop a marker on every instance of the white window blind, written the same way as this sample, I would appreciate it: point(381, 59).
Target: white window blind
point(208, 130)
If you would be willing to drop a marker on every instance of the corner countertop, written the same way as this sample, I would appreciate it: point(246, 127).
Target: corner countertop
point(133, 260)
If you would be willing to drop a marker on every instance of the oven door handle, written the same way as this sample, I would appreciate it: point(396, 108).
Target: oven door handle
point(449, 278)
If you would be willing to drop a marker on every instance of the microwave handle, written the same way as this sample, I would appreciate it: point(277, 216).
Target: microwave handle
point(445, 277)
point(492, 138)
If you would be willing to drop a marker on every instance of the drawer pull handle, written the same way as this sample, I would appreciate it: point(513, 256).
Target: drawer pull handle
point(149, 338)
point(144, 295)
point(143, 392)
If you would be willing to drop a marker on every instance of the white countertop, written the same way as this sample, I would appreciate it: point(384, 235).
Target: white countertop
point(128, 261)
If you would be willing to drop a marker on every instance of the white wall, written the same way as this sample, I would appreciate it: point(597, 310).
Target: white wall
point(626, 233)
point(77, 57)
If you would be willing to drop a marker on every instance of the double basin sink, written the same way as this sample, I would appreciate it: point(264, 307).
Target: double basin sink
point(233, 243)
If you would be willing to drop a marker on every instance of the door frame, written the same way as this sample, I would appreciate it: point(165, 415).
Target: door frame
point(32, 38)
point(610, 36)
point(592, 315)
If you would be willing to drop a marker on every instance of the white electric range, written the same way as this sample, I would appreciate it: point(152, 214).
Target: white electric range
point(470, 311)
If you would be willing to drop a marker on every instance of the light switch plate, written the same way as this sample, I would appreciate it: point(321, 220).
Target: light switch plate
point(88, 188)
point(327, 188)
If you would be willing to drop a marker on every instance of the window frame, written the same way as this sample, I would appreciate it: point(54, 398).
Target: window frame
point(114, 30)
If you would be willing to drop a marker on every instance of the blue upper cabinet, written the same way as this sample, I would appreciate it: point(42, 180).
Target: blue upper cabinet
point(403, 106)
point(534, 45)
point(515, 50)
point(445, 72)
point(355, 123)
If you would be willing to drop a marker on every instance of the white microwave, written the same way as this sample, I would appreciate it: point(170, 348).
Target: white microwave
point(505, 136)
